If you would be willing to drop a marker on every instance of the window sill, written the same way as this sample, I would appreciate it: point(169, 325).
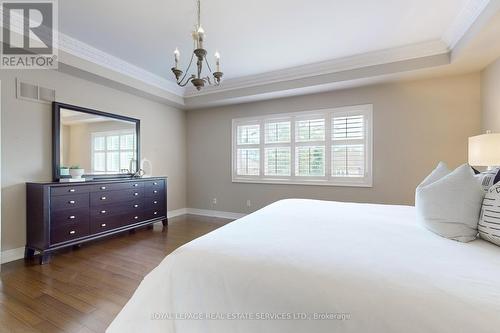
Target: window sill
point(363, 183)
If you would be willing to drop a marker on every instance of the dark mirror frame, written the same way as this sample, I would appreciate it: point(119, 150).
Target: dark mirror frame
point(56, 137)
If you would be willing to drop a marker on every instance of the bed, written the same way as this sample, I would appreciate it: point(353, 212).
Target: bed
point(319, 266)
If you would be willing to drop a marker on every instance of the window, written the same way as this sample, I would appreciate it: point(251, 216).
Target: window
point(112, 151)
point(325, 147)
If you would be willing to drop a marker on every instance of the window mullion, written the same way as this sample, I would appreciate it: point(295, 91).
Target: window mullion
point(293, 136)
point(328, 145)
point(261, 148)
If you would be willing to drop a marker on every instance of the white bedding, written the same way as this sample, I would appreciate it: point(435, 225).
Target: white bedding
point(372, 263)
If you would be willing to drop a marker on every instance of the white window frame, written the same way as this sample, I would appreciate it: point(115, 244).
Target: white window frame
point(328, 180)
point(105, 134)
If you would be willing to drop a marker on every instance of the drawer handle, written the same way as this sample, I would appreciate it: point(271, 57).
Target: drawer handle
point(103, 198)
point(72, 217)
point(103, 225)
point(71, 190)
point(103, 212)
point(155, 191)
point(155, 213)
point(155, 202)
point(72, 232)
point(136, 217)
point(155, 183)
point(136, 194)
point(136, 206)
point(135, 185)
point(103, 187)
point(72, 202)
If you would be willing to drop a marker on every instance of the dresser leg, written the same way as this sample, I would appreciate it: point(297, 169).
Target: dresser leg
point(28, 253)
point(131, 231)
point(77, 247)
point(165, 222)
point(44, 258)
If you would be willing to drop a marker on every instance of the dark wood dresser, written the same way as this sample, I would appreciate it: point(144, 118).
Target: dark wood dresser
point(66, 214)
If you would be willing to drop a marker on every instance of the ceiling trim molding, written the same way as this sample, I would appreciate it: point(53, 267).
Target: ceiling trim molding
point(77, 58)
point(318, 83)
point(462, 23)
point(87, 52)
point(407, 52)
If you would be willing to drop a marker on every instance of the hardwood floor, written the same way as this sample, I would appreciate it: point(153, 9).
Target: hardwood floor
point(84, 289)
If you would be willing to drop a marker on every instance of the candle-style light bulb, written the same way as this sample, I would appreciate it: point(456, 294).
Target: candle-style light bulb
point(201, 36)
point(177, 54)
point(217, 60)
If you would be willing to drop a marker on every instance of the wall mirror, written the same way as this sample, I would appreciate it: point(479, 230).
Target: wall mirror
point(104, 145)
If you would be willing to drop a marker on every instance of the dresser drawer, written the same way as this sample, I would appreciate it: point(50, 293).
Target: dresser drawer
point(154, 192)
point(69, 217)
point(100, 224)
point(154, 203)
point(117, 209)
point(99, 199)
point(71, 201)
point(154, 213)
point(65, 190)
point(117, 186)
point(154, 184)
point(68, 232)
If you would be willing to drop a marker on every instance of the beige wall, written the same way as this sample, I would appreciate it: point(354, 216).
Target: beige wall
point(490, 97)
point(26, 139)
point(416, 124)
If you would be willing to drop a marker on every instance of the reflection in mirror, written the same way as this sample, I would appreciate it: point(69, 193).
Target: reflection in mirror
point(100, 145)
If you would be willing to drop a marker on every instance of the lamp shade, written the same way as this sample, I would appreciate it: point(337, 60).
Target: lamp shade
point(484, 150)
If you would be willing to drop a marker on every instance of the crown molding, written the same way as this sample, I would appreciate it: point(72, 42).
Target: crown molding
point(462, 23)
point(81, 59)
point(407, 52)
point(319, 83)
point(87, 52)
point(460, 26)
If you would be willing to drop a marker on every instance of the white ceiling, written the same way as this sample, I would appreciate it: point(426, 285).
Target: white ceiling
point(255, 36)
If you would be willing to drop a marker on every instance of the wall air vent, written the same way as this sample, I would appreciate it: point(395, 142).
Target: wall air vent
point(34, 93)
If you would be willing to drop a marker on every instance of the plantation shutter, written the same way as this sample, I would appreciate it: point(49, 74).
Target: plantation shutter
point(348, 145)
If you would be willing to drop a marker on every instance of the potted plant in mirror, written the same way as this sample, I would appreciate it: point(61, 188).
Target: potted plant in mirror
point(76, 172)
point(64, 171)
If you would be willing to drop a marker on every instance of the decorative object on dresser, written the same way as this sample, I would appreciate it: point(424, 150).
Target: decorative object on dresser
point(76, 172)
point(61, 215)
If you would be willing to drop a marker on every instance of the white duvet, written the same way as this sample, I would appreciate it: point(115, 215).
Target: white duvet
point(357, 267)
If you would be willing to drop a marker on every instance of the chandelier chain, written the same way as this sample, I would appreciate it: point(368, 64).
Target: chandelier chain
point(199, 13)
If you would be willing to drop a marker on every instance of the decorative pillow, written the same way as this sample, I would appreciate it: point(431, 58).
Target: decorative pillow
point(449, 203)
point(489, 223)
point(488, 178)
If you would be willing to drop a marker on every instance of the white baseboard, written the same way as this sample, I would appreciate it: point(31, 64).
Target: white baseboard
point(177, 212)
point(215, 213)
point(11, 255)
point(16, 254)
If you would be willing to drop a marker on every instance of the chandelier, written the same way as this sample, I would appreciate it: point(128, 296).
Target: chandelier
point(201, 57)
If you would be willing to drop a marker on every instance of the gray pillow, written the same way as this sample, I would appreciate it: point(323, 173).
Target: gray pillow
point(449, 203)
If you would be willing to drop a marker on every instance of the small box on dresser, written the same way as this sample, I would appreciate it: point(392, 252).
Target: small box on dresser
point(65, 214)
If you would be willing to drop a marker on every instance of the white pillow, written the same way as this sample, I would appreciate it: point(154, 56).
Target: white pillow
point(449, 203)
point(489, 223)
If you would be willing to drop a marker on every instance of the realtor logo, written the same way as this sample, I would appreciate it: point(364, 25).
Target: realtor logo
point(29, 34)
